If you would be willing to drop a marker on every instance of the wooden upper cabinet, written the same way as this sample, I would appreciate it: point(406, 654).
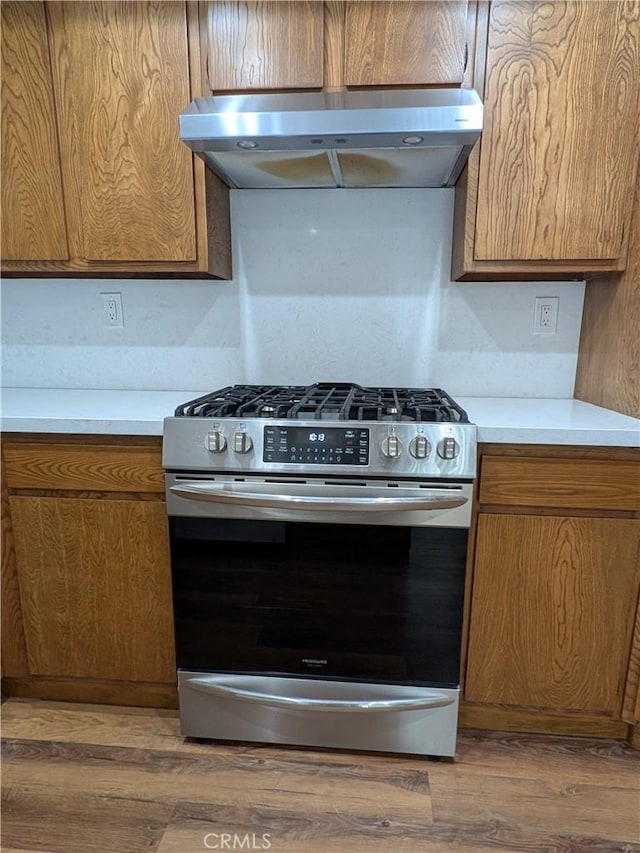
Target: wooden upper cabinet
point(263, 45)
point(33, 220)
point(272, 44)
point(91, 94)
point(562, 112)
point(405, 43)
point(121, 74)
point(552, 190)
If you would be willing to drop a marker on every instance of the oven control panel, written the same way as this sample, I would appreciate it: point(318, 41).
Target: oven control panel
point(319, 446)
point(316, 445)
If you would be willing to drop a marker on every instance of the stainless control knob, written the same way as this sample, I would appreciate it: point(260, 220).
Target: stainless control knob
point(242, 442)
point(419, 447)
point(448, 448)
point(216, 442)
point(391, 446)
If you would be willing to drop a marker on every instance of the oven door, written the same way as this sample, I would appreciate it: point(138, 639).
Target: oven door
point(331, 598)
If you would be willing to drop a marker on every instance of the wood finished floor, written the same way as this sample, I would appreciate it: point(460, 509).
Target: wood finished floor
point(97, 779)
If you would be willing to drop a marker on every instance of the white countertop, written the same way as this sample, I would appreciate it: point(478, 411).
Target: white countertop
point(526, 420)
point(71, 410)
point(499, 419)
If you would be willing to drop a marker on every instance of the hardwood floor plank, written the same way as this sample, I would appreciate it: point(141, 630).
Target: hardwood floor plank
point(534, 756)
point(297, 832)
point(58, 821)
point(591, 810)
point(147, 728)
point(6, 849)
point(221, 777)
point(23, 850)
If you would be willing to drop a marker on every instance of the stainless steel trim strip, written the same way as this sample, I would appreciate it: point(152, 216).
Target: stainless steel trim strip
point(223, 493)
point(214, 686)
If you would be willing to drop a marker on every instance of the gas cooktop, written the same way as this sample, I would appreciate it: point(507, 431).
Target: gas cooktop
point(326, 401)
point(321, 429)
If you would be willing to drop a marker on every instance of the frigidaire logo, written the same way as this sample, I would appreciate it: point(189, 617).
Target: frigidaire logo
point(314, 662)
point(234, 841)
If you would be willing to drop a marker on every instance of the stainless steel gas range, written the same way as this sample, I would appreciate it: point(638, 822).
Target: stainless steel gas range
point(318, 542)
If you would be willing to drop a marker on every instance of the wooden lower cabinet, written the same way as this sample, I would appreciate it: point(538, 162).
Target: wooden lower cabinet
point(553, 591)
point(87, 612)
point(631, 703)
point(552, 611)
point(95, 587)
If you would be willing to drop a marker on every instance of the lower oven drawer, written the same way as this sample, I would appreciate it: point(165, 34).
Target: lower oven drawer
point(337, 714)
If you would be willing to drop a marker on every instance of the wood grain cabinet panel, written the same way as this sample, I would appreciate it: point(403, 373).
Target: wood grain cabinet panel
point(549, 190)
point(607, 372)
point(95, 178)
point(33, 219)
point(302, 45)
point(13, 646)
point(266, 44)
point(405, 43)
point(95, 587)
point(86, 583)
point(561, 126)
point(631, 704)
point(121, 77)
point(83, 468)
point(552, 612)
point(569, 483)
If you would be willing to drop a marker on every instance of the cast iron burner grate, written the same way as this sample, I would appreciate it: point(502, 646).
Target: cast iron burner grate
point(326, 401)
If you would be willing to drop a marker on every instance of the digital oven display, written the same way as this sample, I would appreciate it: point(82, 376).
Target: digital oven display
point(316, 445)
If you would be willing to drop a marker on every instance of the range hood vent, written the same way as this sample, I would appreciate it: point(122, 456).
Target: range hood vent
point(365, 138)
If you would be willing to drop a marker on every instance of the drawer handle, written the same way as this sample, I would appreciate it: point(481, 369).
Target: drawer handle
point(214, 686)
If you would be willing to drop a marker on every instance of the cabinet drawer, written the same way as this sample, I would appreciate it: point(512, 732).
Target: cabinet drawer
point(570, 483)
point(88, 468)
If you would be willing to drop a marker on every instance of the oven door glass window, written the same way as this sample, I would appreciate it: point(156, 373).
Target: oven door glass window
point(332, 601)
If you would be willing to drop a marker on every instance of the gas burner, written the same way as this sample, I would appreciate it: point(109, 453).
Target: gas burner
point(321, 429)
point(327, 401)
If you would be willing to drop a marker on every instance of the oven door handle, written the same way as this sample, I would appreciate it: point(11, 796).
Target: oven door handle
point(411, 703)
point(221, 493)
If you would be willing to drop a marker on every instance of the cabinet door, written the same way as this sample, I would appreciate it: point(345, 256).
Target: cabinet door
point(33, 222)
point(413, 43)
point(95, 587)
point(266, 44)
point(552, 611)
point(560, 142)
point(121, 77)
point(631, 704)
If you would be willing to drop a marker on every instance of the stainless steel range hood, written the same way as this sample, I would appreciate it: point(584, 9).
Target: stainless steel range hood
point(366, 138)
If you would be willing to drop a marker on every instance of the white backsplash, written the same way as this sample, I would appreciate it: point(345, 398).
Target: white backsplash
point(329, 285)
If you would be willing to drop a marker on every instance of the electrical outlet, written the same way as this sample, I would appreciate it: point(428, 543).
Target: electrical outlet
point(112, 310)
point(545, 316)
